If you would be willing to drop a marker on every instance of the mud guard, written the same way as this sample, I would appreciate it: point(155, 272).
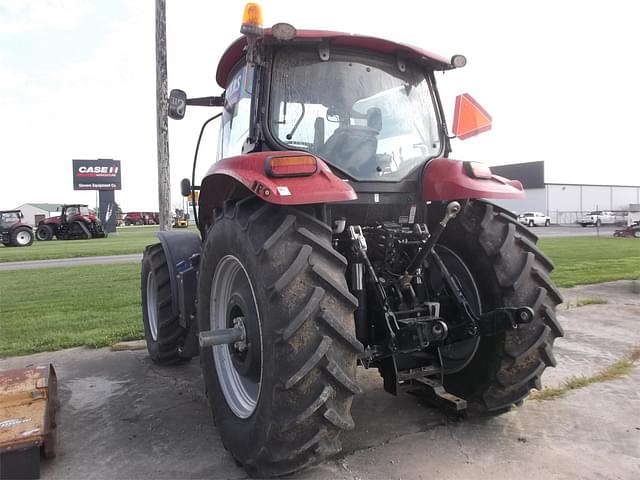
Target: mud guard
point(248, 171)
point(178, 247)
point(446, 179)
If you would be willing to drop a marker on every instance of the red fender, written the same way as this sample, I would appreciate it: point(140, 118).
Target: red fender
point(249, 170)
point(446, 179)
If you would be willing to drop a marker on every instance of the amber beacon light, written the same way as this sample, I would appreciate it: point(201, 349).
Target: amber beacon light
point(252, 19)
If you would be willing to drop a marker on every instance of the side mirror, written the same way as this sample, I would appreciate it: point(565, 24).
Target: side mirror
point(185, 187)
point(469, 118)
point(177, 104)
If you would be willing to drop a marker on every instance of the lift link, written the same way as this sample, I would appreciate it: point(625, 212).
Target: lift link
point(360, 247)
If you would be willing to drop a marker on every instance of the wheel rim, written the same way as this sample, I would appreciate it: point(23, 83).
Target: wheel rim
point(152, 306)
point(239, 372)
point(636, 234)
point(23, 238)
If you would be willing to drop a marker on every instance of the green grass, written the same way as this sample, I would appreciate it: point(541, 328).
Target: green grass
point(583, 302)
point(585, 260)
point(127, 240)
point(54, 308)
point(618, 369)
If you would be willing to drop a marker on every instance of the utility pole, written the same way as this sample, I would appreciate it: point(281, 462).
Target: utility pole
point(164, 181)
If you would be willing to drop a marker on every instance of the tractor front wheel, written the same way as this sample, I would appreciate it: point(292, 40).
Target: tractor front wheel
point(162, 329)
point(44, 233)
point(509, 271)
point(281, 397)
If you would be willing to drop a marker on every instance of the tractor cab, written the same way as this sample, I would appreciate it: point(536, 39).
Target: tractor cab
point(9, 218)
point(71, 211)
point(364, 109)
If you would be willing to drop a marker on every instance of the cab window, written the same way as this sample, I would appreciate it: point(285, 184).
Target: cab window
point(236, 116)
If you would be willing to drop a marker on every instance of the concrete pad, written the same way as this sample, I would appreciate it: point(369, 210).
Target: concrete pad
point(123, 417)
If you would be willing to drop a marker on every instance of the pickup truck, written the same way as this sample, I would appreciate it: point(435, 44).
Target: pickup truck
point(532, 219)
point(598, 218)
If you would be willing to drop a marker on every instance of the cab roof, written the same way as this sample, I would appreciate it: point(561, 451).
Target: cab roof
point(236, 50)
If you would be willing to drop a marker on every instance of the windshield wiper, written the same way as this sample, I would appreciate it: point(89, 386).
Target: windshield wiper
point(295, 127)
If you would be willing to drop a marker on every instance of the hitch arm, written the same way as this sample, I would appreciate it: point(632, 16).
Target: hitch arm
point(430, 242)
point(488, 323)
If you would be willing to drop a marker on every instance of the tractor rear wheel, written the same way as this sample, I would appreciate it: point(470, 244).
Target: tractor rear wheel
point(280, 399)
point(162, 329)
point(44, 233)
point(509, 271)
point(22, 237)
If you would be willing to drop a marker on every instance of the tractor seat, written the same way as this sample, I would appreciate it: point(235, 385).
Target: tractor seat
point(354, 147)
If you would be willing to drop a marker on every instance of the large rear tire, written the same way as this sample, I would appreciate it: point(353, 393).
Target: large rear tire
point(282, 403)
point(510, 271)
point(162, 329)
point(22, 237)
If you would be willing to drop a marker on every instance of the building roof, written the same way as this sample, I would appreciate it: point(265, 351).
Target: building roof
point(530, 174)
point(47, 207)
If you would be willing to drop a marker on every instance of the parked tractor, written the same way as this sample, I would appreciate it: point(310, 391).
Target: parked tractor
point(141, 218)
point(13, 232)
point(75, 222)
point(336, 231)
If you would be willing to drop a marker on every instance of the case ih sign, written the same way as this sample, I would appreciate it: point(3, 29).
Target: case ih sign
point(101, 174)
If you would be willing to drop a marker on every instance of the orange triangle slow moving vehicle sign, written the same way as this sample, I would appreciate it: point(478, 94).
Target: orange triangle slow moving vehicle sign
point(469, 117)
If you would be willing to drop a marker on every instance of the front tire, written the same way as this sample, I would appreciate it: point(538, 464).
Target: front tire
point(162, 329)
point(510, 271)
point(275, 268)
point(44, 233)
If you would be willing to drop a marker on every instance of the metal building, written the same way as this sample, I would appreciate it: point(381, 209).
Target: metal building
point(34, 212)
point(565, 202)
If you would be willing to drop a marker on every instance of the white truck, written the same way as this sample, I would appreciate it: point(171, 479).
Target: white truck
point(597, 218)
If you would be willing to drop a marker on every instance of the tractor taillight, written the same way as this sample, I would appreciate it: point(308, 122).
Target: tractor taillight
point(252, 19)
point(477, 170)
point(291, 166)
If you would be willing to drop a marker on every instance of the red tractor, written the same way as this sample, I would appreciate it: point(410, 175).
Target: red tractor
point(335, 231)
point(75, 222)
point(141, 218)
point(13, 232)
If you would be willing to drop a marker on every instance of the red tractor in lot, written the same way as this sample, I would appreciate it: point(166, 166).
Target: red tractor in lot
point(140, 218)
point(75, 222)
point(335, 231)
point(13, 232)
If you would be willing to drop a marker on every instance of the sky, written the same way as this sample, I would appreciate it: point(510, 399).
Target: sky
point(77, 80)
